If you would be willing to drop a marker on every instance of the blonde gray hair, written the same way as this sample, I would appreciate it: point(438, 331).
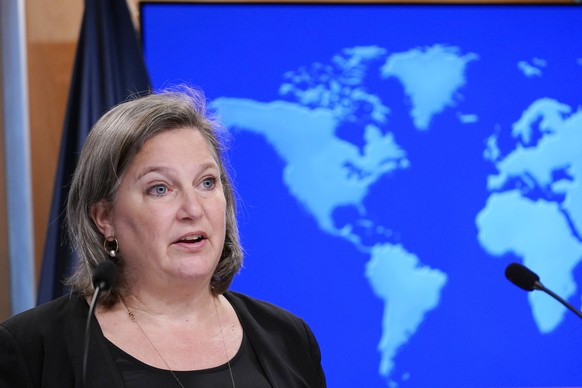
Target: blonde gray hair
point(111, 145)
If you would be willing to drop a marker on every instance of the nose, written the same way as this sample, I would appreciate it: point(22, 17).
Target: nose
point(190, 205)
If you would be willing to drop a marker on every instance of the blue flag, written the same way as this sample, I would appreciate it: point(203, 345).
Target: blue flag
point(109, 67)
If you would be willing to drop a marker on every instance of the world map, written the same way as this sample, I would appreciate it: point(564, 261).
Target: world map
point(325, 172)
point(539, 185)
point(389, 163)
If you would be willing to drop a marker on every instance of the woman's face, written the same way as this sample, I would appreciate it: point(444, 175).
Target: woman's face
point(169, 212)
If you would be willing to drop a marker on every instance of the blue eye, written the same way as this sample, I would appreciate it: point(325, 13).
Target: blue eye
point(209, 183)
point(158, 190)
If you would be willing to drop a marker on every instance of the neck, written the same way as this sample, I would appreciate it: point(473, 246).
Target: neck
point(214, 301)
point(164, 294)
point(176, 304)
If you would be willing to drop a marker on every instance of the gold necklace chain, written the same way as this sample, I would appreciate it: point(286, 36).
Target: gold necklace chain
point(134, 319)
point(223, 342)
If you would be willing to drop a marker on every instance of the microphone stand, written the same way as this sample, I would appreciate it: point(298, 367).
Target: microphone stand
point(541, 287)
point(103, 278)
point(87, 338)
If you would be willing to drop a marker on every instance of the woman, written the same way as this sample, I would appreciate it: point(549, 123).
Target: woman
point(151, 193)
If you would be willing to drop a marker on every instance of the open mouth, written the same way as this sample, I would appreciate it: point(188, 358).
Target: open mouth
point(191, 239)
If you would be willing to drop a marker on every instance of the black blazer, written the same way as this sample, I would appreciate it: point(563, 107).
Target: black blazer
point(43, 347)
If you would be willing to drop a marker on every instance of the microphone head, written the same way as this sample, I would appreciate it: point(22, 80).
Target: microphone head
point(522, 276)
point(105, 275)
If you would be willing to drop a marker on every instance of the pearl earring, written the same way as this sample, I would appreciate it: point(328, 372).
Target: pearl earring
point(111, 246)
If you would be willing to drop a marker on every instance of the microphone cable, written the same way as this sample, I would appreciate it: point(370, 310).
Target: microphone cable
point(104, 276)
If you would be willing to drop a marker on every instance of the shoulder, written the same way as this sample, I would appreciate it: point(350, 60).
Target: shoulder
point(285, 345)
point(41, 336)
point(260, 309)
point(61, 307)
point(44, 319)
point(268, 319)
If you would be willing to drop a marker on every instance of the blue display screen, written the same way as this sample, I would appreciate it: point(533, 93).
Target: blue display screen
point(391, 161)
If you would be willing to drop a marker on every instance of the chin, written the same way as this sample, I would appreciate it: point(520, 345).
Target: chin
point(193, 274)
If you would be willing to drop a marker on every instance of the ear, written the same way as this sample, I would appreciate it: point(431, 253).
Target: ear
point(101, 215)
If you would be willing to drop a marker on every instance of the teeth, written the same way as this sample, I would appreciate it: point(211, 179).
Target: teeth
point(192, 238)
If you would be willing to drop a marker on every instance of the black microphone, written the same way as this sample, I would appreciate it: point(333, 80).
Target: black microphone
point(104, 275)
point(526, 279)
point(103, 278)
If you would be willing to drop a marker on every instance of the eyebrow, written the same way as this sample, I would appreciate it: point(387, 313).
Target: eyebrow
point(172, 171)
point(160, 169)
